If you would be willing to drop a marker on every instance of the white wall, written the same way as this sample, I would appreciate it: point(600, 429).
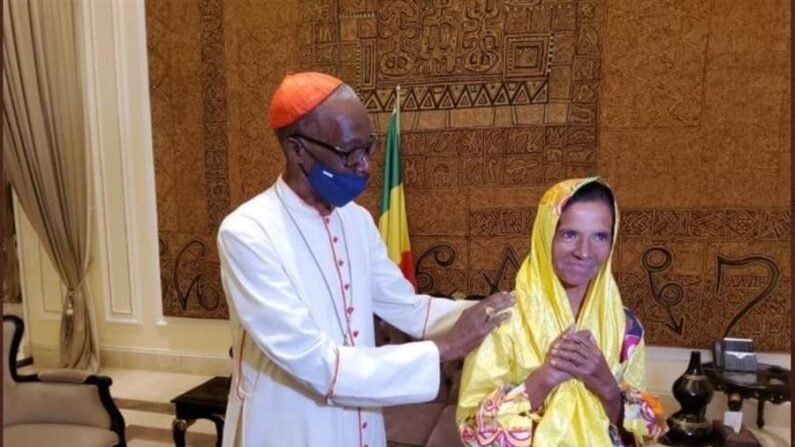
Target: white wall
point(124, 275)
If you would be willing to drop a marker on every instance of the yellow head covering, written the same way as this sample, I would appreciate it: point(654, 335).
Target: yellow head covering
point(572, 415)
point(543, 303)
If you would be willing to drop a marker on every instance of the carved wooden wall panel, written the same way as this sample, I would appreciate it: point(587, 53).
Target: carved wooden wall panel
point(501, 99)
point(213, 65)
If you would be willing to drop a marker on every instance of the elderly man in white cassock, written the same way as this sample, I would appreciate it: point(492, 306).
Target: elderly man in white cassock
point(304, 270)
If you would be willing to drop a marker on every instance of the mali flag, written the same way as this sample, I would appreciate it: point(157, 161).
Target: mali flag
point(392, 224)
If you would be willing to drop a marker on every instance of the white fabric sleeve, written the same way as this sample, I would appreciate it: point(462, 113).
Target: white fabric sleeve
point(279, 323)
point(394, 298)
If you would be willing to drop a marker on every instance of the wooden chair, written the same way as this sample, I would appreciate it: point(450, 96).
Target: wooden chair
point(63, 407)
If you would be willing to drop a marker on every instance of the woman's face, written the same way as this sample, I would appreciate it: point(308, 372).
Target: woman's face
point(582, 242)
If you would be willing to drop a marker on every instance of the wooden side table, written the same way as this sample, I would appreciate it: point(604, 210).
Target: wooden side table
point(722, 436)
point(207, 401)
point(769, 384)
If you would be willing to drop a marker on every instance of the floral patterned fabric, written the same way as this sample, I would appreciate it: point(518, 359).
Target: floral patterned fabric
point(643, 413)
point(490, 430)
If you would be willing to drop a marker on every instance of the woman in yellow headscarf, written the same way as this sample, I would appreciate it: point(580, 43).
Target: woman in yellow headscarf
point(567, 369)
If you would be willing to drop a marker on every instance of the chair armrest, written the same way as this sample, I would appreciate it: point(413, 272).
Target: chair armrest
point(63, 375)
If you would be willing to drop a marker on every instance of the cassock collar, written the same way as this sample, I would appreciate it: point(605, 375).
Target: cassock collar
point(296, 205)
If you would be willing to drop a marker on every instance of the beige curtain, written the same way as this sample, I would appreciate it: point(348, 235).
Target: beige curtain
point(45, 153)
point(11, 287)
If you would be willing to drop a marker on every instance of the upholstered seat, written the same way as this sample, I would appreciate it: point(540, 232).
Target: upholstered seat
point(56, 407)
point(64, 434)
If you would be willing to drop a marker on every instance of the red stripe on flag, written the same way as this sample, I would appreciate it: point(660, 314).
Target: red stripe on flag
point(407, 267)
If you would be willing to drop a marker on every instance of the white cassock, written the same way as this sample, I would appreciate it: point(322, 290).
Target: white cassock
point(302, 290)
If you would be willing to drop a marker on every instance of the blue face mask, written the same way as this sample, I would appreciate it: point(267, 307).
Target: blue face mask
point(336, 188)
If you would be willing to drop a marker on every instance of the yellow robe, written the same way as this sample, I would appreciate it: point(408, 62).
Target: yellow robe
point(493, 409)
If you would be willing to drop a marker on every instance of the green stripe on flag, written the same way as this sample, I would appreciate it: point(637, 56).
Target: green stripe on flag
point(391, 162)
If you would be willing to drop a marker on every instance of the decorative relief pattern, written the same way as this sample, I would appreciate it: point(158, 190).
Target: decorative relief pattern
point(215, 120)
point(730, 295)
point(501, 99)
point(477, 157)
point(190, 280)
point(190, 133)
point(455, 43)
point(465, 95)
point(319, 38)
point(726, 224)
point(448, 54)
point(421, 42)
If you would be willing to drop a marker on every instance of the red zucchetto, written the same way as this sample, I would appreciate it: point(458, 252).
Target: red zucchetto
point(298, 94)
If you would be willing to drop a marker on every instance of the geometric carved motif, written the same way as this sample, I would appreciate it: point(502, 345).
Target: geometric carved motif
point(772, 224)
point(467, 95)
point(189, 268)
point(190, 281)
point(215, 116)
point(474, 157)
point(506, 94)
point(733, 293)
point(449, 54)
point(421, 42)
point(727, 224)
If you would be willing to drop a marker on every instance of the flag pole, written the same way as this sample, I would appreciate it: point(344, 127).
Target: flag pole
point(397, 107)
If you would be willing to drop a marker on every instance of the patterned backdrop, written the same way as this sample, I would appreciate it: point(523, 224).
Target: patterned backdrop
point(500, 99)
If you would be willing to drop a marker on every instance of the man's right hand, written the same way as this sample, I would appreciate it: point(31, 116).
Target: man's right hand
point(474, 324)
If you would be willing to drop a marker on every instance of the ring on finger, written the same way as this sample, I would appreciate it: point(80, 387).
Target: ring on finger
point(489, 312)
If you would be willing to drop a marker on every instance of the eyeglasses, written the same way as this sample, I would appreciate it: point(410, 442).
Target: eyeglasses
point(349, 157)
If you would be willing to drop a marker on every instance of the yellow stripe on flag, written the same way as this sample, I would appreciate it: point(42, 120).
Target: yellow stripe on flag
point(392, 224)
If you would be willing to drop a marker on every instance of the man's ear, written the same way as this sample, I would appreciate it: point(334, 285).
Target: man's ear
point(292, 149)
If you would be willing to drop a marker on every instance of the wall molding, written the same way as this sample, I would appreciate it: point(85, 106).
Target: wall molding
point(121, 143)
point(106, 128)
point(146, 359)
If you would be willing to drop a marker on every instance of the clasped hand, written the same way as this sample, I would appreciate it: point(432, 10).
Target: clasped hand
point(575, 355)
